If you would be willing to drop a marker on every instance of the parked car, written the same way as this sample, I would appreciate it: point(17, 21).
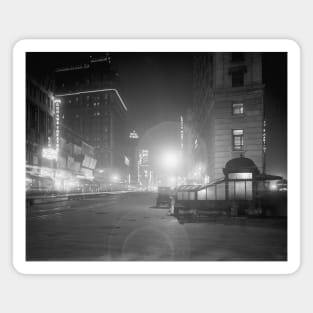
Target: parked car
point(163, 197)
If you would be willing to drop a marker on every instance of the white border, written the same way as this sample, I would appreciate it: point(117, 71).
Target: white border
point(156, 45)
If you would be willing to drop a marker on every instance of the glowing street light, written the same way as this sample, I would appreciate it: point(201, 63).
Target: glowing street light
point(170, 160)
point(115, 178)
point(172, 181)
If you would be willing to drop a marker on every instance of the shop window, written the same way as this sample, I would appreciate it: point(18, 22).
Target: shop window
point(202, 194)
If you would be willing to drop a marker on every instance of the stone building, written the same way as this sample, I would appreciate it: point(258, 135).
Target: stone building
point(228, 111)
point(39, 122)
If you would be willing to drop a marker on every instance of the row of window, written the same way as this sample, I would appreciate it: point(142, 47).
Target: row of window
point(38, 122)
point(237, 140)
point(77, 115)
point(36, 93)
point(95, 98)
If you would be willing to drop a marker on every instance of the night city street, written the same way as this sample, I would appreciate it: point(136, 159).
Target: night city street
point(156, 156)
point(128, 227)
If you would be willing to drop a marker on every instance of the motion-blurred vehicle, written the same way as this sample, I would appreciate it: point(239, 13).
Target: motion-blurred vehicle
point(164, 196)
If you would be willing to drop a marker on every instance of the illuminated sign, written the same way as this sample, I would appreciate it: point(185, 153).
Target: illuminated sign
point(57, 125)
point(181, 132)
point(126, 160)
point(144, 157)
point(133, 135)
point(264, 136)
point(196, 143)
point(240, 175)
point(49, 153)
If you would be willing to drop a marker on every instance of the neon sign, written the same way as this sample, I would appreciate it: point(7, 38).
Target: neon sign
point(57, 125)
point(49, 153)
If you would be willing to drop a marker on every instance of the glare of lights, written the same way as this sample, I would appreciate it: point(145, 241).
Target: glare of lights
point(115, 178)
point(58, 184)
point(133, 135)
point(57, 103)
point(170, 160)
point(49, 153)
point(273, 187)
point(172, 180)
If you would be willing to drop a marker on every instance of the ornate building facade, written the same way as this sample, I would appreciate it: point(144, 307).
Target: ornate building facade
point(228, 112)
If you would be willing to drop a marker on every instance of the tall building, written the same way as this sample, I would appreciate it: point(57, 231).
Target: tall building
point(40, 114)
point(92, 106)
point(228, 115)
point(133, 156)
point(144, 170)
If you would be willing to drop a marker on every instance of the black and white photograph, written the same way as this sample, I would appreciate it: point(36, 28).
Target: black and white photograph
point(156, 156)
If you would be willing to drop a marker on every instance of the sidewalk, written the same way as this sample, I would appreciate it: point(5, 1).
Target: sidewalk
point(67, 196)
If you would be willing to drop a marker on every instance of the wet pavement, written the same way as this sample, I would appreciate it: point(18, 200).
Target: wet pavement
point(127, 226)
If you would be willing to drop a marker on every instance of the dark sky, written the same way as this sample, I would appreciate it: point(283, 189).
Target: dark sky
point(157, 88)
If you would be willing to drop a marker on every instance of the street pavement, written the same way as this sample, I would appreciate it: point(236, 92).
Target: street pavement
point(128, 227)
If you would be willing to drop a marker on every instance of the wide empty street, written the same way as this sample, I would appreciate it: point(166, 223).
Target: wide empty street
point(128, 226)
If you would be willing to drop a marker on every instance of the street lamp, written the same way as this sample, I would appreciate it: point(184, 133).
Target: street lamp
point(115, 178)
point(170, 160)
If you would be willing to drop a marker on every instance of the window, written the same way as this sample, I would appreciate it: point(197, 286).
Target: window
point(220, 191)
point(237, 78)
point(240, 190)
point(192, 195)
point(202, 194)
point(210, 193)
point(237, 108)
point(237, 139)
point(237, 56)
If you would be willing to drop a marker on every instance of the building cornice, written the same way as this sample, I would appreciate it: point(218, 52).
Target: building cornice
point(95, 91)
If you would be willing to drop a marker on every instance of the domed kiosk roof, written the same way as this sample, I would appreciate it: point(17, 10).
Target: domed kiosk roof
point(239, 165)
